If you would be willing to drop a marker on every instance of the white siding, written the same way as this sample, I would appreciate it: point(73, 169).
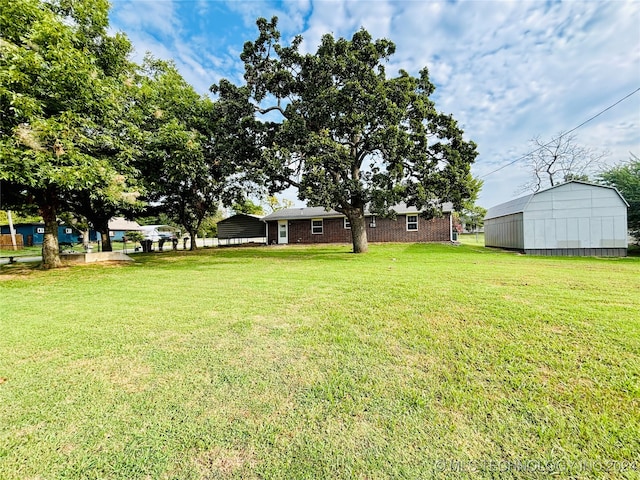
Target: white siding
point(505, 232)
point(575, 215)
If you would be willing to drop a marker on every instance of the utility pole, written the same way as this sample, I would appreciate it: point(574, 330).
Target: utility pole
point(12, 231)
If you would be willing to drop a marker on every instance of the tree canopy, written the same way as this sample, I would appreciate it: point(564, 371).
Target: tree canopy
point(61, 80)
point(348, 136)
point(194, 152)
point(626, 178)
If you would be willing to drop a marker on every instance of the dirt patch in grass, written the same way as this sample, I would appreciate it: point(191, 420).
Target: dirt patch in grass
point(128, 375)
point(224, 462)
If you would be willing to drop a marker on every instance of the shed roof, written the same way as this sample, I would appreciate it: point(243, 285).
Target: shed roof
point(121, 223)
point(516, 205)
point(519, 205)
point(232, 218)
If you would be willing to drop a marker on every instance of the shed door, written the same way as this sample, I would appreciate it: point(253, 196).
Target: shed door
point(283, 231)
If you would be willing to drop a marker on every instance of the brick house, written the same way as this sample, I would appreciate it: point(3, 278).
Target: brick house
point(317, 225)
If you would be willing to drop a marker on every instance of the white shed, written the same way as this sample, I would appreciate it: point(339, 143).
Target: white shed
point(574, 218)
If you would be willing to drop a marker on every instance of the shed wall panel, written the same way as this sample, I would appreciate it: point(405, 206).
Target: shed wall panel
point(505, 232)
point(241, 226)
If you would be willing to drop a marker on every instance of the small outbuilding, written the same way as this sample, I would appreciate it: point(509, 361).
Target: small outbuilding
point(242, 228)
point(571, 219)
point(33, 233)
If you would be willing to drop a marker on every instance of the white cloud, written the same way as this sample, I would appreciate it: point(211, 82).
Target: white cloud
point(157, 18)
point(507, 71)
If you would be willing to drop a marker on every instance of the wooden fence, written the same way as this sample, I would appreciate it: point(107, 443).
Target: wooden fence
point(6, 244)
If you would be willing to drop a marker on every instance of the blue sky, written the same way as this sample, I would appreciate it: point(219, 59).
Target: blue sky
point(507, 71)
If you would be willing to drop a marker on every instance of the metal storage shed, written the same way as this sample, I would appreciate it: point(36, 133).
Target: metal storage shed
point(242, 228)
point(572, 219)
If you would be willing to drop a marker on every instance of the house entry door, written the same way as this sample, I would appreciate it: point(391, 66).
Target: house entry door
point(283, 231)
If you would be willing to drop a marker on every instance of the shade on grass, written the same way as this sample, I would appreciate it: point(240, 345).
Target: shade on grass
point(311, 362)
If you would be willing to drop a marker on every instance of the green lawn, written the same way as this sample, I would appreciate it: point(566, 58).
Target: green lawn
point(476, 239)
point(413, 361)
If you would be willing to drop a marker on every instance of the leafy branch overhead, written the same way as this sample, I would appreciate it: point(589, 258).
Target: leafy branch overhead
point(64, 132)
point(333, 125)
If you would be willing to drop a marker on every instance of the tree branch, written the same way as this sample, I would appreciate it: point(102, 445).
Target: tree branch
point(264, 111)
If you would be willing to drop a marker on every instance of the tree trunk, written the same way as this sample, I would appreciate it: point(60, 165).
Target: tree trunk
point(106, 241)
point(358, 232)
point(50, 246)
point(193, 240)
point(102, 227)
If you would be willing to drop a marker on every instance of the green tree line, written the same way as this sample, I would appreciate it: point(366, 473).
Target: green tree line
point(88, 133)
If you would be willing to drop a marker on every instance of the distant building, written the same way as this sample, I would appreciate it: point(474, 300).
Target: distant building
point(317, 225)
point(118, 226)
point(573, 219)
point(33, 233)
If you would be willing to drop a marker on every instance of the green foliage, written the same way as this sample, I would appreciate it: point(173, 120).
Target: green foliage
point(134, 236)
point(62, 85)
point(188, 159)
point(473, 217)
point(248, 207)
point(18, 218)
point(274, 204)
point(626, 178)
point(349, 135)
point(209, 226)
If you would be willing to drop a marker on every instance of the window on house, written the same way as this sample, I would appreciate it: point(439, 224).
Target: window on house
point(412, 222)
point(112, 234)
point(347, 223)
point(372, 222)
point(39, 229)
point(67, 231)
point(316, 227)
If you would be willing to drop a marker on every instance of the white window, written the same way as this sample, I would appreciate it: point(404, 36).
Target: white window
point(39, 229)
point(112, 234)
point(347, 223)
point(412, 222)
point(316, 227)
point(372, 222)
point(67, 231)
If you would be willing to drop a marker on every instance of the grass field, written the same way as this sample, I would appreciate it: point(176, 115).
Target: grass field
point(413, 361)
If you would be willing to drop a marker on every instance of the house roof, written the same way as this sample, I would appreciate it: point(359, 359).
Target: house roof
point(307, 213)
point(120, 223)
point(301, 214)
point(519, 205)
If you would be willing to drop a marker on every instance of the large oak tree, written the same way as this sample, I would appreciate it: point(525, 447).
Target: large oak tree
point(61, 83)
point(347, 135)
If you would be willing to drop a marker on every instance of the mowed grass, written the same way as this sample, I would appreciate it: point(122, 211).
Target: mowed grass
point(413, 361)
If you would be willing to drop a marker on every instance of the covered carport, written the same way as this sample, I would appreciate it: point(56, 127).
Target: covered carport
point(241, 229)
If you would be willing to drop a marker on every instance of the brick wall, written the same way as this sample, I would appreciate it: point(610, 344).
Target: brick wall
point(386, 230)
